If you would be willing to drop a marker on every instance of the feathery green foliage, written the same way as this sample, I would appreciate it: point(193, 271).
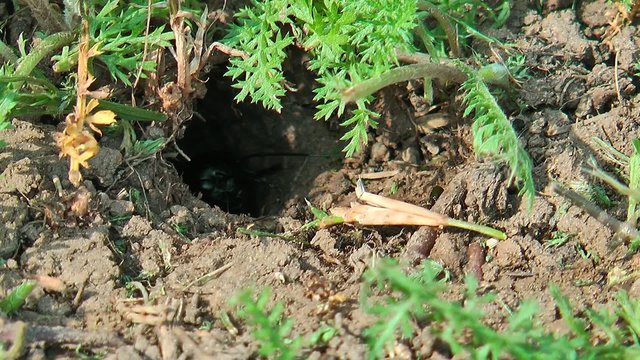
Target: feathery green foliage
point(269, 328)
point(353, 48)
point(272, 331)
point(43, 95)
point(625, 182)
point(119, 27)
point(493, 134)
point(397, 313)
point(348, 42)
point(414, 300)
point(259, 34)
point(418, 298)
point(626, 4)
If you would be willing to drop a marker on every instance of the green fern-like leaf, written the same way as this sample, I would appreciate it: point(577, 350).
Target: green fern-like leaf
point(348, 41)
point(258, 33)
point(493, 134)
point(269, 326)
point(362, 118)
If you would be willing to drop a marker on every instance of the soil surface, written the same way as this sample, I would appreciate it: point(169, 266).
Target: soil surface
point(148, 268)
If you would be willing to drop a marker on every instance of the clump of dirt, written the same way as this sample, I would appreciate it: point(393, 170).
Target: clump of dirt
point(149, 267)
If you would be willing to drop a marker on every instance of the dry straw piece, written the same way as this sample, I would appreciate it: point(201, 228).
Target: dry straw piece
point(76, 141)
point(381, 210)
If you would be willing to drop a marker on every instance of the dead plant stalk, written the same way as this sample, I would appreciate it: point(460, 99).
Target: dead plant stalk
point(381, 210)
point(76, 141)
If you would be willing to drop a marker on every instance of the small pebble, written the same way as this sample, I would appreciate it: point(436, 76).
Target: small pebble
point(491, 243)
point(379, 153)
point(12, 264)
point(411, 155)
point(431, 146)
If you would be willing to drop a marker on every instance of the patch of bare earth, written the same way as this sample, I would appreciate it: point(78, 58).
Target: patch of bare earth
point(135, 287)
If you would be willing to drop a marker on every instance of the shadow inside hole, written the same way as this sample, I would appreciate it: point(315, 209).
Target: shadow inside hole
point(245, 159)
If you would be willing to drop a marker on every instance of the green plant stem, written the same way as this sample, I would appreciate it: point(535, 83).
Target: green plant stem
point(634, 183)
point(7, 53)
point(403, 73)
point(30, 79)
point(413, 58)
point(427, 42)
point(16, 350)
point(482, 229)
point(597, 172)
point(443, 20)
point(48, 44)
point(132, 113)
point(623, 229)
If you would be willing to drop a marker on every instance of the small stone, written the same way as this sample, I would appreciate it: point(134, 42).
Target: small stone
point(325, 241)
point(492, 243)
point(180, 216)
point(602, 97)
point(429, 145)
point(411, 155)
point(508, 253)
point(555, 130)
point(12, 264)
point(537, 126)
point(557, 122)
point(12, 218)
point(379, 153)
point(137, 227)
point(20, 176)
point(447, 252)
point(120, 208)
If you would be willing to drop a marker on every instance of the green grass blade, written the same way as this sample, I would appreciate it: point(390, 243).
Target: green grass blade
point(16, 298)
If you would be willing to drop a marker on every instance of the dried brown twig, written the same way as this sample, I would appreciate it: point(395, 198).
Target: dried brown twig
point(76, 141)
point(380, 210)
point(191, 56)
point(49, 17)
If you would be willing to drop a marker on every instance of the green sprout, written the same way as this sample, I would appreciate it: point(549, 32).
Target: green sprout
point(120, 32)
point(181, 229)
point(16, 298)
point(629, 171)
point(417, 298)
point(206, 325)
point(269, 327)
point(272, 330)
point(558, 238)
point(394, 188)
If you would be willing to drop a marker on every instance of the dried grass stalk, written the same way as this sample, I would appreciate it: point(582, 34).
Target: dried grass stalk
point(381, 210)
point(372, 215)
point(49, 18)
point(399, 206)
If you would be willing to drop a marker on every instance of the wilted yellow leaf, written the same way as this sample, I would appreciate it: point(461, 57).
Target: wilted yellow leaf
point(75, 142)
point(102, 117)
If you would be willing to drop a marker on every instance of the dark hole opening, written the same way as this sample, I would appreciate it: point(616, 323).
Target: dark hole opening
point(247, 160)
